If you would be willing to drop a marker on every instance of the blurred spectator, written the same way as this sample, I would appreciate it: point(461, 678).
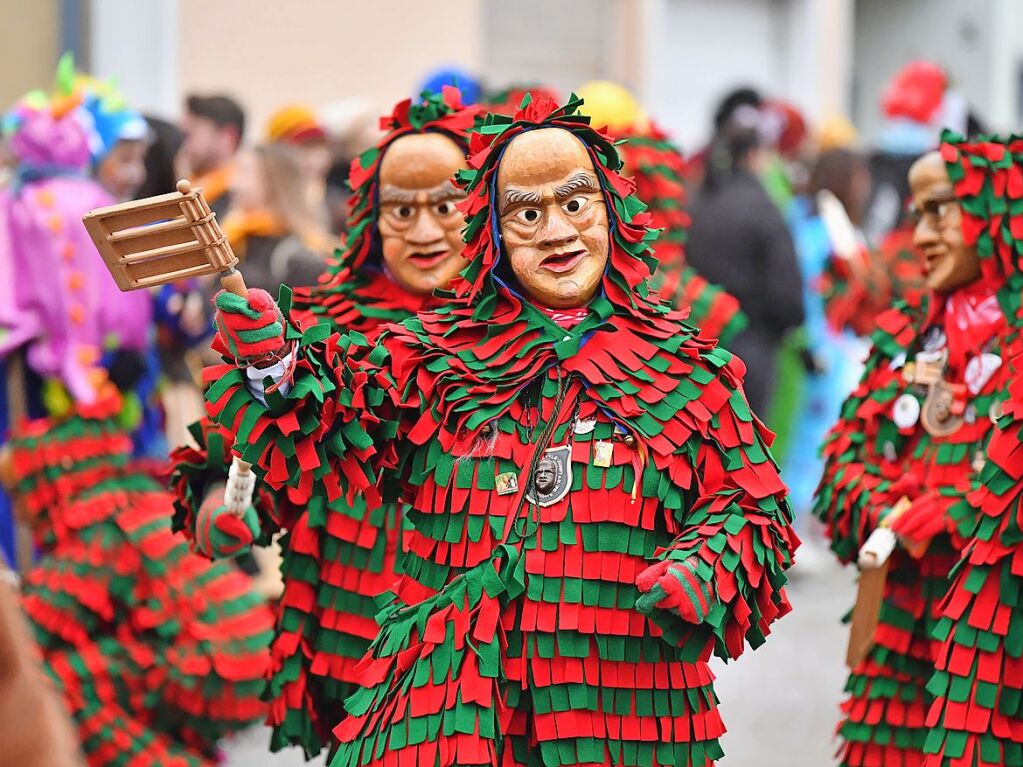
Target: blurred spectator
point(213, 128)
point(297, 125)
point(161, 170)
point(466, 82)
point(272, 227)
point(657, 167)
point(117, 134)
point(739, 240)
point(182, 310)
point(832, 357)
point(352, 127)
point(743, 96)
point(784, 133)
point(836, 132)
point(917, 103)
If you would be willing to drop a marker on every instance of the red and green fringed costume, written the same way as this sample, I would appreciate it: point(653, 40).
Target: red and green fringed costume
point(853, 299)
point(880, 452)
point(512, 636)
point(157, 652)
point(338, 554)
point(977, 717)
point(658, 168)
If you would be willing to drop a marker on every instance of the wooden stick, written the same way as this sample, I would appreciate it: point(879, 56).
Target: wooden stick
point(147, 243)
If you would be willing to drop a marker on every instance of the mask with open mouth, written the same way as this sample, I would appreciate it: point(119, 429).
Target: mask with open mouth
point(550, 217)
point(404, 230)
point(553, 218)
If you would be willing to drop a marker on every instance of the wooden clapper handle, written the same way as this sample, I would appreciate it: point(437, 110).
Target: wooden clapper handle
point(241, 482)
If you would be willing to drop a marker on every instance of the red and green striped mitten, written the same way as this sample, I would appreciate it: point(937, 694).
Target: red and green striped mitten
point(219, 533)
point(251, 326)
point(676, 586)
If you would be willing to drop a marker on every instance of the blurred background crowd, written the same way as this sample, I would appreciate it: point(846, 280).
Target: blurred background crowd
point(792, 124)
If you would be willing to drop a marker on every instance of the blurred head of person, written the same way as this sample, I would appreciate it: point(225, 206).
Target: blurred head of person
point(916, 104)
point(298, 126)
point(784, 129)
point(122, 171)
point(269, 182)
point(846, 175)
point(213, 127)
point(161, 169)
point(836, 132)
point(118, 135)
point(949, 263)
point(453, 77)
point(737, 149)
point(743, 96)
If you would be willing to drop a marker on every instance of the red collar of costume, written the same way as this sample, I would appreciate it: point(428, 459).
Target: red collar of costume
point(359, 302)
point(970, 316)
point(564, 318)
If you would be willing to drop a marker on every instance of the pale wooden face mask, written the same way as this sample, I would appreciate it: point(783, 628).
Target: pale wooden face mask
point(420, 226)
point(553, 218)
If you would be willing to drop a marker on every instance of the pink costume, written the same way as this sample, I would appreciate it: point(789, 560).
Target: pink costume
point(56, 297)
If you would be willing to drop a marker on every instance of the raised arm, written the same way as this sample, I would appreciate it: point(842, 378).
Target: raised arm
point(303, 406)
point(720, 583)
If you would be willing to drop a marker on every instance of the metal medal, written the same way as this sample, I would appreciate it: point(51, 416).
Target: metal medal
point(584, 425)
point(937, 416)
point(552, 477)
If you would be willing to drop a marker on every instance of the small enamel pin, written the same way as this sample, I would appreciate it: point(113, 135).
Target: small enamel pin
point(603, 452)
point(507, 483)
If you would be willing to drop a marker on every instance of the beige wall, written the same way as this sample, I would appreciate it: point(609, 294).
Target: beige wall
point(28, 47)
point(267, 52)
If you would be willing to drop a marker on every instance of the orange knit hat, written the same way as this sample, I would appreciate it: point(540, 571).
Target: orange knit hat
point(294, 124)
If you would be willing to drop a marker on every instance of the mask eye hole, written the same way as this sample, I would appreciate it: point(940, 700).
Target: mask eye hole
point(575, 205)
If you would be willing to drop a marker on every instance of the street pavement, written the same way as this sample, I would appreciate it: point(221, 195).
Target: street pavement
point(780, 703)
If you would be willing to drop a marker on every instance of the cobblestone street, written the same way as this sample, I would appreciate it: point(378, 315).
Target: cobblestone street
point(780, 703)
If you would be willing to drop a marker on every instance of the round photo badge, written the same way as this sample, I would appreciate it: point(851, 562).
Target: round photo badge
point(906, 411)
point(938, 415)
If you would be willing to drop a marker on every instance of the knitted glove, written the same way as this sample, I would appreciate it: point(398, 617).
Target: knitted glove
point(923, 520)
point(221, 534)
point(674, 586)
point(249, 327)
point(908, 485)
